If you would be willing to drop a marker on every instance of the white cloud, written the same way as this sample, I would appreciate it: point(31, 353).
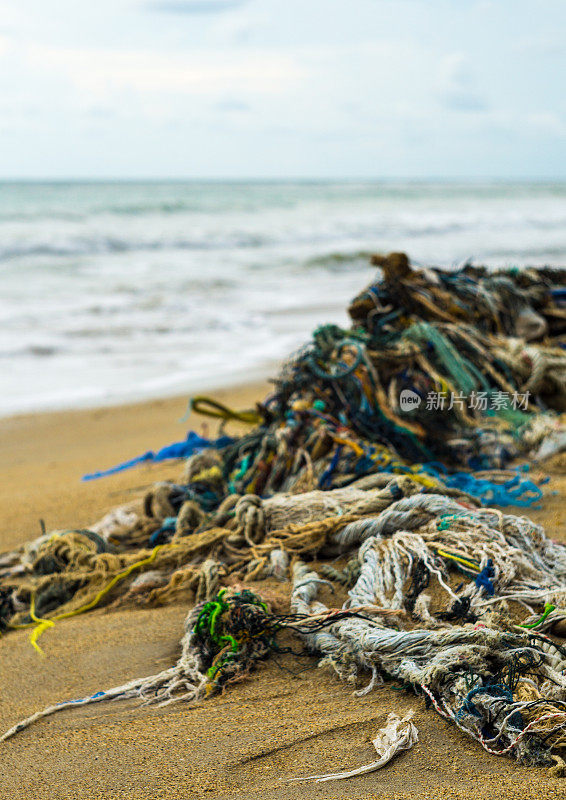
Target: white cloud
point(194, 6)
point(546, 123)
point(458, 83)
point(102, 72)
point(5, 45)
point(281, 86)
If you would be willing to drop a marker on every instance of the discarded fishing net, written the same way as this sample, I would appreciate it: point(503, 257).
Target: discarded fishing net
point(436, 605)
point(434, 366)
point(353, 477)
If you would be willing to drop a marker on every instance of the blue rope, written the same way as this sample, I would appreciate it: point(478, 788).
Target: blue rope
point(94, 696)
point(326, 477)
point(514, 492)
point(161, 535)
point(483, 579)
point(192, 444)
point(495, 690)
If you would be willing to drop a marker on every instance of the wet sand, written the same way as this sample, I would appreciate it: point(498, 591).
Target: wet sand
point(289, 719)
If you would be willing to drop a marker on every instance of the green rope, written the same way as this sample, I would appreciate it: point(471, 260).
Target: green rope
point(209, 615)
point(548, 609)
point(464, 375)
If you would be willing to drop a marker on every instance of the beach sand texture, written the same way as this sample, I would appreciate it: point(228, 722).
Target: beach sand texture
point(290, 719)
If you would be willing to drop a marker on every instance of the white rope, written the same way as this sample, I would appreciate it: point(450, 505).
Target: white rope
point(397, 735)
point(184, 681)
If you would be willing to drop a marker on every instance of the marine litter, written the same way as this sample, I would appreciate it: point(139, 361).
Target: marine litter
point(378, 467)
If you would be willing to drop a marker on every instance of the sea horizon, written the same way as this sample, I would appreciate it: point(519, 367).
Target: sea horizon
point(126, 289)
point(463, 180)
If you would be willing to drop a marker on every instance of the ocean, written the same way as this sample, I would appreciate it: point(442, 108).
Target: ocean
point(128, 290)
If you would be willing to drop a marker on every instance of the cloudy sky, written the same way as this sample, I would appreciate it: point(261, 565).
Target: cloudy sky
point(262, 88)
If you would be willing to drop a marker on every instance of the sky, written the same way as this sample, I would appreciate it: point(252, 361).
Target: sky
point(283, 88)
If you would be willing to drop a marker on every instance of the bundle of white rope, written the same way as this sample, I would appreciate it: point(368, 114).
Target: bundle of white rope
point(459, 667)
point(397, 735)
point(439, 663)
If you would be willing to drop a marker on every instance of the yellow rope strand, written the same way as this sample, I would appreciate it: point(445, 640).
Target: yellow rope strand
point(212, 408)
point(40, 628)
point(459, 559)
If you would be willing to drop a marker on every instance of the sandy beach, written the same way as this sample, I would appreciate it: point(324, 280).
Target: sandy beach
point(288, 720)
point(338, 232)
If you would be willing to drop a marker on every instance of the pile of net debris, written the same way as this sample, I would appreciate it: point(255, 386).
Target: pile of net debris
point(378, 467)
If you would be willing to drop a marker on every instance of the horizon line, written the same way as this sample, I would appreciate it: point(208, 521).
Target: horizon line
point(503, 179)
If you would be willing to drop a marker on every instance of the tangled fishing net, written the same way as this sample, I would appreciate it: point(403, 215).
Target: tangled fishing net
point(375, 468)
